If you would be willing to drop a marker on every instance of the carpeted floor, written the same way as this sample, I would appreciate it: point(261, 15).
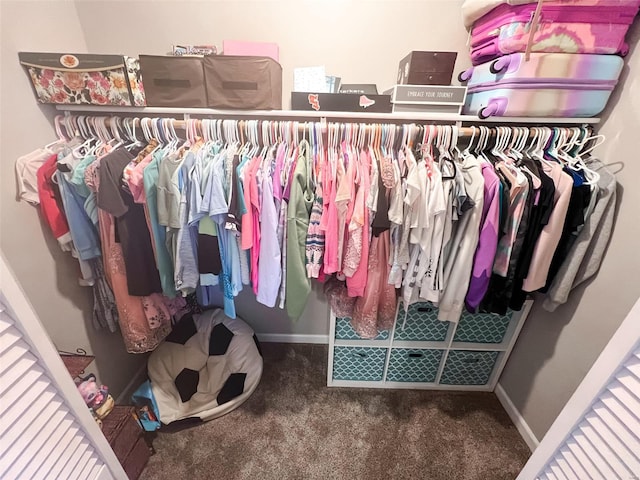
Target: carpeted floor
point(295, 427)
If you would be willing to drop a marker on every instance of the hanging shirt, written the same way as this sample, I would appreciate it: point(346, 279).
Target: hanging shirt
point(300, 201)
point(457, 271)
point(487, 241)
point(551, 233)
point(270, 257)
point(131, 227)
point(163, 259)
point(357, 282)
point(51, 203)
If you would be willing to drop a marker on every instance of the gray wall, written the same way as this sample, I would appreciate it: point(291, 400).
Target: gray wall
point(48, 275)
point(556, 350)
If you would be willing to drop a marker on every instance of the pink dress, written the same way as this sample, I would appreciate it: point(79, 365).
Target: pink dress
point(357, 254)
point(144, 321)
point(376, 309)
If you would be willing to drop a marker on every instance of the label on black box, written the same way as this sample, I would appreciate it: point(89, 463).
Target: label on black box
point(428, 94)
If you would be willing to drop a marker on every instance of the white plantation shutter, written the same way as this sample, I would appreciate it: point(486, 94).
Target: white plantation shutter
point(46, 431)
point(597, 435)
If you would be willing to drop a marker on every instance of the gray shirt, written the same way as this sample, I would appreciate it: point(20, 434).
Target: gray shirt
point(585, 256)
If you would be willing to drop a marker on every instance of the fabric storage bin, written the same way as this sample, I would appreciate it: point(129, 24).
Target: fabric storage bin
point(360, 364)
point(482, 327)
point(173, 81)
point(243, 82)
point(422, 324)
point(468, 367)
point(413, 365)
point(345, 331)
point(65, 78)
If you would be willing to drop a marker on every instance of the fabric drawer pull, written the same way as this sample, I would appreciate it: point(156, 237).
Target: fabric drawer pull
point(360, 354)
point(471, 360)
point(416, 355)
point(171, 83)
point(425, 309)
point(240, 85)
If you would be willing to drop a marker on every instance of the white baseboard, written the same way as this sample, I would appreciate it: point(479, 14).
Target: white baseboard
point(140, 376)
point(518, 420)
point(292, 338)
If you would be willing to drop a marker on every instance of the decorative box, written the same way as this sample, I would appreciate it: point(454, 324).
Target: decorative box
point(243, 82)
point(83, 78)
point(427, 98)
point(173, 81)
point(341, 102)
point(427, 68)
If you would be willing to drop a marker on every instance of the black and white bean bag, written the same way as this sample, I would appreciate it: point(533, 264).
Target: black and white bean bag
point(208, 366)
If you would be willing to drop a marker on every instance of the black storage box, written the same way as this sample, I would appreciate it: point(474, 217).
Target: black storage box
point(427, 68)
point(341, 102)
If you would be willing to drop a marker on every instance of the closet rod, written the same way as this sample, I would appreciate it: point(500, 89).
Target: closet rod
point(302, 126)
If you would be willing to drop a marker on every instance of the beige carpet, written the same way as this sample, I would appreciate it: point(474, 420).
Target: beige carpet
point(294, 427)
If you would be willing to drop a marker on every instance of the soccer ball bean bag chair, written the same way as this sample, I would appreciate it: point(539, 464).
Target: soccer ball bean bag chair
point(207, 366)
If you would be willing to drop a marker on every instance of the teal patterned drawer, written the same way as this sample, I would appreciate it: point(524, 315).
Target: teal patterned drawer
point(413, 365)
point(468, 367)
point(422, 324)
point(482, 328)
point(344, 331)
point(360, 364)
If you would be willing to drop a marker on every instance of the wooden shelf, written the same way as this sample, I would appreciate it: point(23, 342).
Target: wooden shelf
point(310, 115)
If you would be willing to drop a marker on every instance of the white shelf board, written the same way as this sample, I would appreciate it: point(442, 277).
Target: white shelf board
point(362, 343)
point(412, 116)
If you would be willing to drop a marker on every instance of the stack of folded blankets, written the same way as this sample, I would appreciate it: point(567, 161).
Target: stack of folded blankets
point(544, 58)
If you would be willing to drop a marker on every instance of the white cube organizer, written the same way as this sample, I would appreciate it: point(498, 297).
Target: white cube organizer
point(421, 352)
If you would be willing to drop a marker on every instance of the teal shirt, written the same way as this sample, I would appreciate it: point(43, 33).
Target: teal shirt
point(163, 259)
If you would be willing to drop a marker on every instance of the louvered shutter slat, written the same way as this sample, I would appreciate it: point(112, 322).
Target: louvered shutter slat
point(557, 471)
point(618, 446)
point(584, 460)
point(573, 463)
point(566, 469)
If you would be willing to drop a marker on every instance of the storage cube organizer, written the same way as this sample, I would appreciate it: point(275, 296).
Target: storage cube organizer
point(413, 365)
point(426, 353)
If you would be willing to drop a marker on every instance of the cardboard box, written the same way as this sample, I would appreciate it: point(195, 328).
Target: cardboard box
point(427, 68)
point(341, 102)
point(68, 78)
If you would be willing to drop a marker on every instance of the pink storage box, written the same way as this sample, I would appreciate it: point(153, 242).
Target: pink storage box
point(251, 49)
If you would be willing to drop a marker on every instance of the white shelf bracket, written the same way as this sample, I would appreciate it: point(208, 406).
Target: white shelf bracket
point(186, 117)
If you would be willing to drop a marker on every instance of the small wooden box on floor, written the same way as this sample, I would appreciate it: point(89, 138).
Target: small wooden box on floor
point(422, 352)
point(126, 439)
